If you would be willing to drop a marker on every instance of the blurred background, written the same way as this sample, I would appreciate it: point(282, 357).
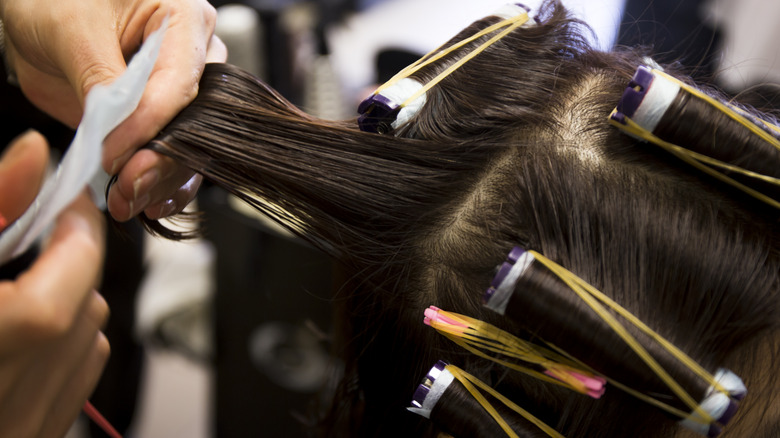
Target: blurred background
point(229, 336)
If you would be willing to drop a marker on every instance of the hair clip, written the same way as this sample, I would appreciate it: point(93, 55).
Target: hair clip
point(399, 99)
point(718, 405)
point(646, 99)
point(387, 110)
point(431, 389)
point(501, 288)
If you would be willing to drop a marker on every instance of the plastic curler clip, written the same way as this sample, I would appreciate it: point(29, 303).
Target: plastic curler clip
point(633, 94)
point(501, 288)
point(376, 112)
point(388, 109)
point(721, 406)
point(645, 99)
point(400, 98)
point(431, 389)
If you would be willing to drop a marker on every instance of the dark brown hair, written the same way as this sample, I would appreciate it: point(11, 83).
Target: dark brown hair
point(511, 149)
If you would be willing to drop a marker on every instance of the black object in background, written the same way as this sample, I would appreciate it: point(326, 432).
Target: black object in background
point(675, 31)
point(273, 313)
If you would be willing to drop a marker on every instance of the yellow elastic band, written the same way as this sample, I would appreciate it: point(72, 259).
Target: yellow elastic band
point(726, 109)
point(625, 388)
point(484, 336)
point(469, 382)
point(464, 60)
point(696, 160)
point(425, 60)
point(584, 292)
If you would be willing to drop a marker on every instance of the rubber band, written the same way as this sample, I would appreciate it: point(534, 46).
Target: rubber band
point(649, 95)
point(469, 382)
point(377, 110)
point(575, 284)
point(432, 83)
point(477, 337)
point(725, 108)
point(430, 58)
point(694, 159)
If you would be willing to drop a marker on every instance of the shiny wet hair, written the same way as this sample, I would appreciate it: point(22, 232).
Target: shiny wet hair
point(513, 148)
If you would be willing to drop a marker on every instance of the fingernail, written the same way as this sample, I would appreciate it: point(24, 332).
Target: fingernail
point(119, 162)
point(138, 205)
point(143, 185)
point(168, 208)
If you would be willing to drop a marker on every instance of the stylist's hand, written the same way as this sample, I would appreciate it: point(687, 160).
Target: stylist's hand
point(51, 349)
point(61, 48)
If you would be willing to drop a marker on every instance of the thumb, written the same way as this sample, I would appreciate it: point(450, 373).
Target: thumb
point(90, 60)
point(22, 167)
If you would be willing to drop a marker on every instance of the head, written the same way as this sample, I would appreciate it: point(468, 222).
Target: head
point(513, 148)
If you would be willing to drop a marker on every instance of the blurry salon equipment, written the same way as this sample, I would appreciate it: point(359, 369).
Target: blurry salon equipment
point(272, 315)
point(727, 43)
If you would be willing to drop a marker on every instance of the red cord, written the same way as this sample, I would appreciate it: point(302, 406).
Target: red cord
point(100, 420)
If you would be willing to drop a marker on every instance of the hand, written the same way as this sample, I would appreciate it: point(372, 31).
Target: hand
point(51, 349)
point(60, 49)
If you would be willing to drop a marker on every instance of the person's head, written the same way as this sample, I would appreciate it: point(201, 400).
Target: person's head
point(512, 148)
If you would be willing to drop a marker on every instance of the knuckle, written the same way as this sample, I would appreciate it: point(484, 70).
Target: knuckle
point(94, 72)
point(45, 322)
point(87, 246)
point(209, 15)
point(103, 348)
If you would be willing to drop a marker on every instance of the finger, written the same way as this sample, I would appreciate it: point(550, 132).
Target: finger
point(64, 275)
point(22, 168)
point(178, 202)
point(173, 82)
point(54, 365)
point(148, 178)
point(89, 58)
point(77, 390)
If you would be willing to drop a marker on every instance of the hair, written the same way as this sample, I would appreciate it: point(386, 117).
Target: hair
point(513, 148)
point(459, 414)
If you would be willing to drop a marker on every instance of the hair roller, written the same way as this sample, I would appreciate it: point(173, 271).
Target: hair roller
point(730, 144)
point(527, 291)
